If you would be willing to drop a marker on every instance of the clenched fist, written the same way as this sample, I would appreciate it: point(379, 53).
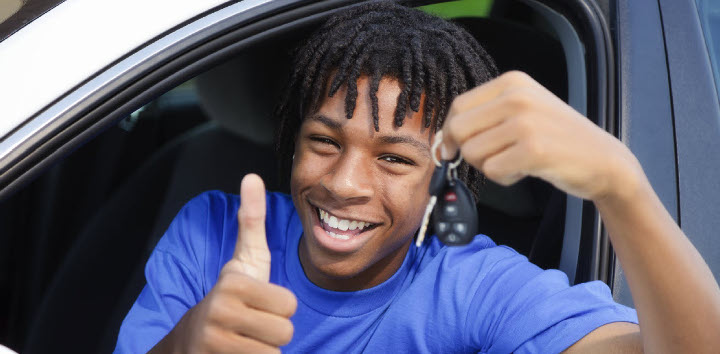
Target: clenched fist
point(512, 127)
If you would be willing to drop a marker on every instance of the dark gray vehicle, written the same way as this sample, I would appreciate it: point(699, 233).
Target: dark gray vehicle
point(113, 115)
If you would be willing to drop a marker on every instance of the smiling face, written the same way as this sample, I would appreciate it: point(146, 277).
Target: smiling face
point(360, 194)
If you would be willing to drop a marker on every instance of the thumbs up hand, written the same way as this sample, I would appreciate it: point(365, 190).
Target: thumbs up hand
point(243, 313)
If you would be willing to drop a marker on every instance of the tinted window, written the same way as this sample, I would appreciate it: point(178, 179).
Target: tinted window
point(709, 11)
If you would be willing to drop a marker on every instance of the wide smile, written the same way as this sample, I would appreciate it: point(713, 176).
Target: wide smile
point(340, 234)
point(342, 229)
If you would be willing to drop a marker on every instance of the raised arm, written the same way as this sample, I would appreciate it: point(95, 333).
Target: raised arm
point(512, 127)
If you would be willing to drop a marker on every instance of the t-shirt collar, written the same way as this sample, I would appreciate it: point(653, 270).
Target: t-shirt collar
point(338, 303)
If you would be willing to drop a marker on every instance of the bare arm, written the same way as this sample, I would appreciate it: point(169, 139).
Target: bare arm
point(512, 127)
point(675, 293)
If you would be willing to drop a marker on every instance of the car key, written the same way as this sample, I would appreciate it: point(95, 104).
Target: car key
point(454, 215)
point(437, 185)
point(451, 204)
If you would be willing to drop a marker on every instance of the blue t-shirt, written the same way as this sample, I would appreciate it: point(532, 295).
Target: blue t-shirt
point(476, 298)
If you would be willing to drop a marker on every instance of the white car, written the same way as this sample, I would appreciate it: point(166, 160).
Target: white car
point(113, 114)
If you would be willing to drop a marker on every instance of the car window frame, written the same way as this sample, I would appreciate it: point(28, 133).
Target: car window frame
point(176, 57)
point(696, 116)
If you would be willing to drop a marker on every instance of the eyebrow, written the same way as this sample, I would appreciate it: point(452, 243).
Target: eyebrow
point(384, 139)
point(330, 123)
point(404, 139)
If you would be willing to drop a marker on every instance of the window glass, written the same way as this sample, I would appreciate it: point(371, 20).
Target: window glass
point(709, 11)
point(460, 8)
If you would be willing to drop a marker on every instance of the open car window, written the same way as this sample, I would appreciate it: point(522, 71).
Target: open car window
point(194, 113)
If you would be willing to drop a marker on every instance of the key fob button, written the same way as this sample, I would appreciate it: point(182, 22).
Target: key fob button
point(460, 227)
point(442, 227)
point(454, 213)
point(451, 210)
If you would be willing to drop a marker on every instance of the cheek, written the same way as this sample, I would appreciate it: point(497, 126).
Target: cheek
point(307, 168)
point(409, 199)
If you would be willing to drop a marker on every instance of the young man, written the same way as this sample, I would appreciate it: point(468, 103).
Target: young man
point(333, 267)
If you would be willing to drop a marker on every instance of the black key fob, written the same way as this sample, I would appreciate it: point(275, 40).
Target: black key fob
point(455, 215)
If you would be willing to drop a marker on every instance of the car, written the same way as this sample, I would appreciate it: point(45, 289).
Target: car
point(114, 114)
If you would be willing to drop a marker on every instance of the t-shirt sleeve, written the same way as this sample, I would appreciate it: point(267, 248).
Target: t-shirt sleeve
point(174, 275)
point(529, 310)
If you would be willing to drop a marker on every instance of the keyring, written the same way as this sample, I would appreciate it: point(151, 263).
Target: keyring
point(433, 151)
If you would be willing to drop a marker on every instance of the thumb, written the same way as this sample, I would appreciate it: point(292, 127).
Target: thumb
point(251, 249)
point(448, 147)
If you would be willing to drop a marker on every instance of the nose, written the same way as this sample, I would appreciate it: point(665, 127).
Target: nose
point(350, 179)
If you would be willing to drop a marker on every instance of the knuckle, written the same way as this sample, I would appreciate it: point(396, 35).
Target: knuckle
point(251, 218)
point(492, 170)
point(516, 77)
point(523, 126)
point(506, 181)
point(471, 154)
point(458, 104)
point(230, 272)
point(218, 309)
point(534, 148)
point(241, 285)
point(236, 282)
point(518, 99)
point(454, 130)
point(210, 336)
point(254, 256)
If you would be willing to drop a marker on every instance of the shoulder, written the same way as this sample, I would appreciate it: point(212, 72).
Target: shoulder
point(205, 229)
point(481, 255)
point(218, 210)
point(217, 205)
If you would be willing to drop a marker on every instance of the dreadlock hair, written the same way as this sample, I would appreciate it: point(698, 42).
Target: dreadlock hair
point(426, 54)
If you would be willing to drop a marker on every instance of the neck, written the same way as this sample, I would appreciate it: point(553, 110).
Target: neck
point(369, 277)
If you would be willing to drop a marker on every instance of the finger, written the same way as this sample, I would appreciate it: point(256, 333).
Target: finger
point(266, 327)
point(251, 248)
point(230, 342)
point(507, 166)
point(486, 116)
point(480, 147)
point(490, 90)
point(257, 294)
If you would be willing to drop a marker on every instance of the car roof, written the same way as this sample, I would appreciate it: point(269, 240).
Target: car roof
point(75, 40)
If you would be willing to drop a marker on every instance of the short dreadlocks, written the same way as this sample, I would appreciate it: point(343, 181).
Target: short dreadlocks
point(426, 54)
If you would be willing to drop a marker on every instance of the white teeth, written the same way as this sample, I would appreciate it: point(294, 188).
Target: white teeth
point(341, 224)
point(341, 237)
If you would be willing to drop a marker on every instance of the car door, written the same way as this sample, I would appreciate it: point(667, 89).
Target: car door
point(696, 114)
point(669, 116)
point(82, 109)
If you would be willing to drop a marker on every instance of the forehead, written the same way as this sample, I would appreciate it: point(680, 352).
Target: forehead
point(389, 90)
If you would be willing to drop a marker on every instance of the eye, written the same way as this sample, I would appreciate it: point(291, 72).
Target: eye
point(397, 159)
point(324, 140)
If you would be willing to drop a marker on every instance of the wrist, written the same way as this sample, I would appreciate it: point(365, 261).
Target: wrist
point(176, 341)
point(626, 181)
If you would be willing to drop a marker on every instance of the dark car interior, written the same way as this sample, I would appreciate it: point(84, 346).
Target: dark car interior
point(73, 243)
